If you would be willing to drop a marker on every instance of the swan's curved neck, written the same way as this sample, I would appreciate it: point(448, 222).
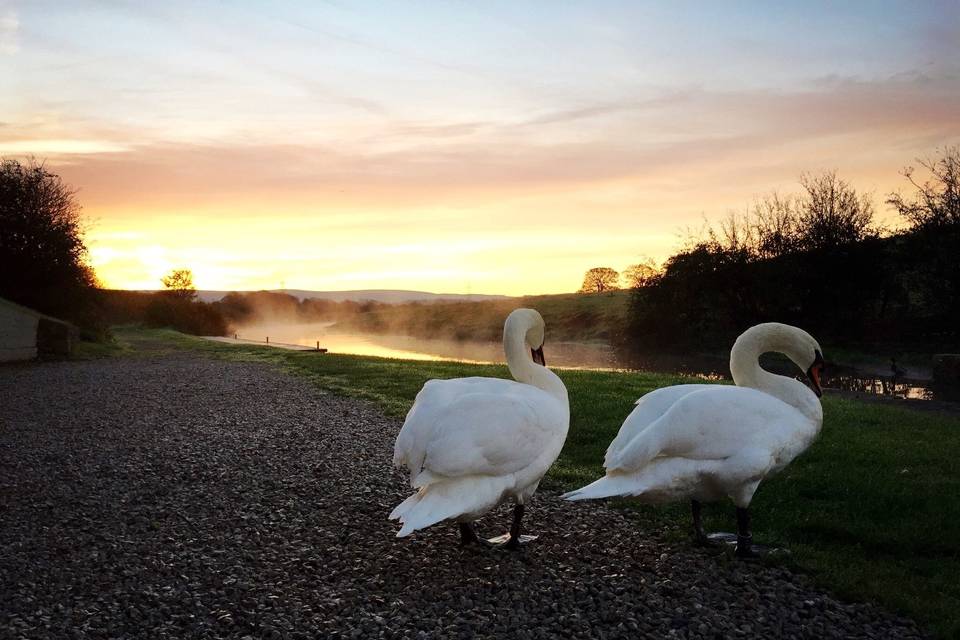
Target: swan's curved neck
point(747, 372)
point(525, 370)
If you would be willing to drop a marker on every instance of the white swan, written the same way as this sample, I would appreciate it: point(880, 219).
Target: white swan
point(471, 443)
point(705, 442)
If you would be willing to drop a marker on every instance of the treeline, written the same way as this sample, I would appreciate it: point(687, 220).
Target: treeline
point(570, 317)
point(162, 309)
point(818, 260)
point(178, 308)
point(239, 308)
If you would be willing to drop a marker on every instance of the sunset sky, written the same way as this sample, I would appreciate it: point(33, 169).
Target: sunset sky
point(455, 147)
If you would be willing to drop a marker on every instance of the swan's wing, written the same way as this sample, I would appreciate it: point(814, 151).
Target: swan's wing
point(475, 425)
point(648, 408)
point(493, 434)
point(431, 402)
point(713, 423)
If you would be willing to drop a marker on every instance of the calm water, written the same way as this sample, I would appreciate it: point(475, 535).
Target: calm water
point(575, 354)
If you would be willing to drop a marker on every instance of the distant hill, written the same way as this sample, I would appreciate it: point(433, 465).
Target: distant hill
point(389, 296)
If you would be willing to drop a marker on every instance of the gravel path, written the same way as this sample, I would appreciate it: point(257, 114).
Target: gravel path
point(181, 497)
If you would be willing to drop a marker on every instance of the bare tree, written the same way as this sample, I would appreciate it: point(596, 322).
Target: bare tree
point(640, 274)
point(936, 202)
point(179, 284)
point(776, 221)
point(600, 279)
point(832, 212)
point(736, 233)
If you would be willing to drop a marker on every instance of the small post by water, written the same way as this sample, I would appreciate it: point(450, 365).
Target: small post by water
point(268, 339)
point(318, 345)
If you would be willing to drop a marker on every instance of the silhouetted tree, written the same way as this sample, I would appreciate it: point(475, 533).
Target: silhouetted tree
point(936, 202)
point(815, 260)
point(934, 214)
point(600, 279)
point(43, 259)
point(640, 274)
point(832, 213)
point(179, 284)
point(776, 221)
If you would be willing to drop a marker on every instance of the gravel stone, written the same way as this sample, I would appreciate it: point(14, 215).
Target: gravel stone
point(176, 496)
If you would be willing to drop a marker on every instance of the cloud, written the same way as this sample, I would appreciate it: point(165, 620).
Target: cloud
point(694, 143)
point(58, 147)
point(9, 32)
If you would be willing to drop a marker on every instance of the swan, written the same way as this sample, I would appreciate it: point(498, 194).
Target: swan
point(706, 442)
point(472, 443)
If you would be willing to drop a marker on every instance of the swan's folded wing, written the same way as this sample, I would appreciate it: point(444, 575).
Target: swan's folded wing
point(649, 408)
point(491, 434)
point(713, 423)
point(429, 408)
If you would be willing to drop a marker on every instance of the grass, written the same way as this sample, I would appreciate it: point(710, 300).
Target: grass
point(90, 350)
point(871, 510)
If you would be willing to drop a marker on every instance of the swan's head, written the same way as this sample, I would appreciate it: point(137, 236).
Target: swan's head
point(793, 342)
point(529, 324)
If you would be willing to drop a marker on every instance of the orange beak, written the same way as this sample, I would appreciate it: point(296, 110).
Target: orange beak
point(814, 373)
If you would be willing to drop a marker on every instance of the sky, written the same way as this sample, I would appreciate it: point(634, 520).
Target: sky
point(495, 147)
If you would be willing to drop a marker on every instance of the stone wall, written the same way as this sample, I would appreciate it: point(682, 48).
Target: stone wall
point(18, 333)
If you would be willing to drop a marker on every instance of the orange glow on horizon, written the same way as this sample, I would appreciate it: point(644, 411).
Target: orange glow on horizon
point(506, 150)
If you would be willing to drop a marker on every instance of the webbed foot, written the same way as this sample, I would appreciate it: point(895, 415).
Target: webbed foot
point(509, 542)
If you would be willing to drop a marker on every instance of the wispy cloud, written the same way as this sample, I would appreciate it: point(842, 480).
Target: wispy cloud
point(58, 149)
point(633, 138)
point(9, 31)
point(376, 129)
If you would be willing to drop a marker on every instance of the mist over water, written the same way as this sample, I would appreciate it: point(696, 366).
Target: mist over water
point(558, 354)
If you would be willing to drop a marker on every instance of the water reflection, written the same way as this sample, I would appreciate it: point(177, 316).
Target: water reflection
point(581, 355)
point(560, 354)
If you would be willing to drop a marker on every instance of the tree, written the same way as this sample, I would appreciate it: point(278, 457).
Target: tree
point(43, 258)
point(640, 274)
point(936, 202)
point(179, 284)
point(599, 279)
point(934, 214)
point(832, 213)
point(776, 224)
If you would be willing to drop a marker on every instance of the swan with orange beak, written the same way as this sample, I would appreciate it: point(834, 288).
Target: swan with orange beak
point(703, 442)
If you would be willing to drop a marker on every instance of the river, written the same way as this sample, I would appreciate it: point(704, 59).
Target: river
point(577, 355)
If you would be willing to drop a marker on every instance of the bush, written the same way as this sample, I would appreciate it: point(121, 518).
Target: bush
point(186, 316)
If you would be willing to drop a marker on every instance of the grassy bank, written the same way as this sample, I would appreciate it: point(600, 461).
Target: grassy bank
point(871, 510)
point(581, 317)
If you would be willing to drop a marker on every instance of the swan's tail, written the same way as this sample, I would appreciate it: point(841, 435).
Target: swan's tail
point(665, 480)
point(608, 486)
point(449, 498)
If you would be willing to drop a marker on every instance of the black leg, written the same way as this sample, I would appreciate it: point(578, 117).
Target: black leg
point(744, 537)
point(467, 534)
point(699, 536)
point(514, 541)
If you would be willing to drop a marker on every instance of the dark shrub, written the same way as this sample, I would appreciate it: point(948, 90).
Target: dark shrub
point(186, 316)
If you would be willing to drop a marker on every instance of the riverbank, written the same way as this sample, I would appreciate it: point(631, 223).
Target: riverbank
point(869, 511)
point(191, 489)
point(579, 317)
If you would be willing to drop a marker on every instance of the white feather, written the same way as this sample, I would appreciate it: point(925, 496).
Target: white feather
point(471, 443)
point(708, 441)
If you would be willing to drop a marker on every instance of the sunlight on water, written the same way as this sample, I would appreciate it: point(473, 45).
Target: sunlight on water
point(561, 354)
point(383, 346)
point(558, 354)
